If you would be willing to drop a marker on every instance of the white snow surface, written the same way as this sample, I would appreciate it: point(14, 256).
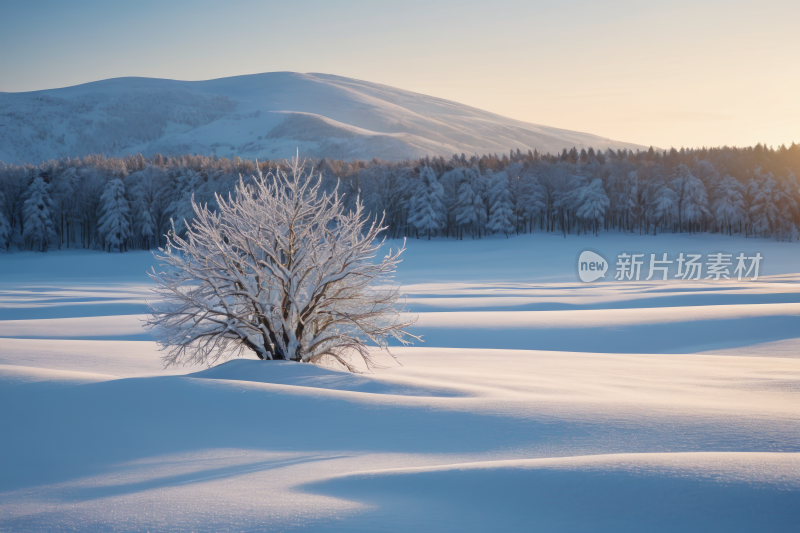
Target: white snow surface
point(268, 115)
point(536, 403)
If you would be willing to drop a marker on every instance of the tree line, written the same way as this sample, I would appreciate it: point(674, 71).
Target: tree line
point(132, 202)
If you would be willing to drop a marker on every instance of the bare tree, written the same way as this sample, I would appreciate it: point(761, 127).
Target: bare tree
point(281, 269)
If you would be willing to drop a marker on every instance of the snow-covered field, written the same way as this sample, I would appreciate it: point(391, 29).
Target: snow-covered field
point(536, 403)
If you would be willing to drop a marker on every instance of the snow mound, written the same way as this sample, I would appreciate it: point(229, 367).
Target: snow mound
point(627, 492)
point(312, 376)
point(97, 436)
point(119, 327)
point(646, 330)
point(262, 116)
point(13, 375)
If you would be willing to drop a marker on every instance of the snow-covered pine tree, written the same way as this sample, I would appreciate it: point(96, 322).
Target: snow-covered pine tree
point(470, 211)
point(390, 190)
point(372, 193)
point(451, 181)
point(151, 191)
point(729, 207)
point(92, 183)
point(644, 196)
point(37, 211)
point(622, 197)
point(572, 199)
point(64, 198)
point(677, 182)
point(146, 227)
point(114, 225)
point(593, 204)
point(559, 185)
point(663, 208)
point(480, 183)
point(533, 199)
point(773, 205)
point(792, 188)
point(428, 206)
point(695, 202)
point(631, 180)
point(706, 173)
point(5, 227)
point(186, 182)
point(5, 232)
point(500, 213)
point(281, 269)
point(765, 211)
point(525, 197)
point(788, 204)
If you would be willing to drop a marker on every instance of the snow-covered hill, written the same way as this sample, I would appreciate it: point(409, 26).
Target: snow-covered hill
point(261, 116)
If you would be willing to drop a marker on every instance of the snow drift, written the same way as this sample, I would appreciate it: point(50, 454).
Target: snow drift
point(97, 437)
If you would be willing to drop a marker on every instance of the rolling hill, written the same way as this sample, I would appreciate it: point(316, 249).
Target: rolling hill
point(261, 116)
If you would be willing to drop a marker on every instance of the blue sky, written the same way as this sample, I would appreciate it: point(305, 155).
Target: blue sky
point(663, 73)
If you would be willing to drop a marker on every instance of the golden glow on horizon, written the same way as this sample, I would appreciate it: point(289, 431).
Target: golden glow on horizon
point(702, 73)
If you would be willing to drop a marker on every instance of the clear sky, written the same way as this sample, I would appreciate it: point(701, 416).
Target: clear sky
point(678, 73)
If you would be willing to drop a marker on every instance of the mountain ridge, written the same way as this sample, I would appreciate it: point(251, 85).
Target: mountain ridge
point(264, 115)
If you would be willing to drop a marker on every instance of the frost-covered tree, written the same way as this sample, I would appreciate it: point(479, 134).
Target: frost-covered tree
point(622, 197)
point(792, 188)
point(37, 212)
point(534, 200)
point(500, 213)
point(5, 227)
point(281, 269)
point(427, 204)
point(695, 202)
point(151, 194)
point(14, 183)
point(678, 184)
point(146, 226)
point(706, 172)
point(664, 207)
point(729, 207)
point(451, 181)
point(572, 201)
point(788, 204)
point(186, 183)
point(470, 212)
point(544, 190)
point(527, 199)
point(389, 189)
point(559, 183)
point(593, 205)
point(91, 186)
point(114, 225)
point(65, 200)
point(769, 211)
